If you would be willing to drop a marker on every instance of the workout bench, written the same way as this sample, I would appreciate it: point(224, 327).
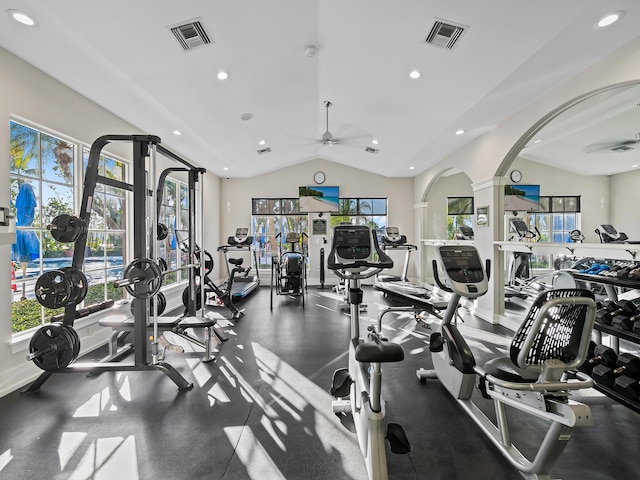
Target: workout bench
point(178, 326)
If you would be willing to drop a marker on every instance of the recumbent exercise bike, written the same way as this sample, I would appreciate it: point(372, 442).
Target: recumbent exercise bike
point(538, 375)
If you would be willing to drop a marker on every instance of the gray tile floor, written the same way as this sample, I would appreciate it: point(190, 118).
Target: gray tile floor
point(263, 411)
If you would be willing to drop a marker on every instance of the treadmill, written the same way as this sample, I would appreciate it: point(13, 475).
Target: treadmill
point(399, 287)
point(246, 283)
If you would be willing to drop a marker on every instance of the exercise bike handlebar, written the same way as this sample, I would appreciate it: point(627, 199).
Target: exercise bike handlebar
point(355, 253)
point(584, 381)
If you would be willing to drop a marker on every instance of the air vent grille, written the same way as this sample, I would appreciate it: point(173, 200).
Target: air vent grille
point(371, 150)
point(191, 34)
point(445, 34)
point(262, 151)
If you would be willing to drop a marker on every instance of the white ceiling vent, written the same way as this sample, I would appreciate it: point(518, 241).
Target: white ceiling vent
point(371, 150)
point(262, 151)
point(191, 34)
point(445, 34)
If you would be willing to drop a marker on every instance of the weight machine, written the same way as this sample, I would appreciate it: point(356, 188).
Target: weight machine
point(55, 347)
point(289, 269)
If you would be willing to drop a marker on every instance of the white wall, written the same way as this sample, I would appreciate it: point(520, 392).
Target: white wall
point(34, 96)
point(236, 195)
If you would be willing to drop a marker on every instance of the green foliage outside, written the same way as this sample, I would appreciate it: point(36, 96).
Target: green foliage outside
point(25, 314)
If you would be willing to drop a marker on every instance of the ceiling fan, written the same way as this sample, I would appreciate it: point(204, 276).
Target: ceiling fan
point(329, 138)
point(620, 143)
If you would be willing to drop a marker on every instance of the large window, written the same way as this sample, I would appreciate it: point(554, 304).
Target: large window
point(362, 211)
point(271, 216)
point(556, 217)
point(45, 182)
point(459, 213)
point(174, 214)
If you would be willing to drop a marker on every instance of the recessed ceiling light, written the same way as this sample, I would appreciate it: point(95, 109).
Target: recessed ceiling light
point(22, 17)
point(415, 74)
point(225, 168)
point(262, 142)
point(374, 141)
point(538, 141)
point(177, 132)
point(459, 131)
point(609, 19)
point(223, 75)
point(412, 168)
point(634, 166)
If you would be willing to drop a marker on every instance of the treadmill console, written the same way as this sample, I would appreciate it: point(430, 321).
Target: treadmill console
point(353, 243)
point(241, 237)
point(463, 270)
point(520, 227)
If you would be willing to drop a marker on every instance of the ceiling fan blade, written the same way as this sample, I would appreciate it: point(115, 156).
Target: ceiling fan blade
point(619, 141)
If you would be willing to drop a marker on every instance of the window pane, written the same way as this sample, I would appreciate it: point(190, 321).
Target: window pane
point(25, 150)
point(57, 159)
point(379, 206)
point(364, 206)
point(557, 204)
point(545, 204)
point(56, 200)
point(571, 204)
point(113, 212)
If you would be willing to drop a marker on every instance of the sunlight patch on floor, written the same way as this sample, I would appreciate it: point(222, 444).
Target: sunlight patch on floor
point(108, 458)
point(252, 454)
point(5, 458)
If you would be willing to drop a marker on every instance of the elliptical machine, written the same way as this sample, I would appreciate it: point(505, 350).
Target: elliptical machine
point(537, 376)
point(356, 255)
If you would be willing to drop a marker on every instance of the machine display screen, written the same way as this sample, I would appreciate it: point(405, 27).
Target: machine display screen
point(463, 266)
point(353, 244)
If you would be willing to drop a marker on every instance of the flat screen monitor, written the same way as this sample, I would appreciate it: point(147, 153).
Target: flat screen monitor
point(319, 199)
point(521, 198)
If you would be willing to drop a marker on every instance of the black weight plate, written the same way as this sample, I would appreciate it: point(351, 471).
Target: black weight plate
point(79, 284)
point(146, 278)
point(76, 340)
point(208, 263)
point(54, 289)
point(162, 304)
point(162, 263)
point(56, 345)
point(185, 297)
point(67, 228)
point(162, 231)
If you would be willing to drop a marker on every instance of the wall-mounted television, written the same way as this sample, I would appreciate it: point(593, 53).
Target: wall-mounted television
point(521, 198)
point(319, 199)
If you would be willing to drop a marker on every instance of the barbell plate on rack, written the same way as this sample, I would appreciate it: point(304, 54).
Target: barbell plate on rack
point(79, 284)
point(208, 263)
point(162, 304)
point(53, 347)
point(163, 231)
point(144, 277)
point(67, 228)
point(53, 289)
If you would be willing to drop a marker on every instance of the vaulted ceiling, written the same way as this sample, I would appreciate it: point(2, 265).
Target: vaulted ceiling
point(123, 55)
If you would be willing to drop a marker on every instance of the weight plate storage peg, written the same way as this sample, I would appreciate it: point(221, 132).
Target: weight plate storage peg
point(53, 347)
point(143, 277)
point(67, 228)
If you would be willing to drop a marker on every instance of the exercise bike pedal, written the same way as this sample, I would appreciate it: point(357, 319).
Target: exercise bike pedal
point(341, 383)
point(398, 441)
point(436, 342)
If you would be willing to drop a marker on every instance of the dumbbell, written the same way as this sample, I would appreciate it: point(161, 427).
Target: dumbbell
point(611, 309)
point(625, 322)
point(602, 355)
point(627, 365)
point(628, 387)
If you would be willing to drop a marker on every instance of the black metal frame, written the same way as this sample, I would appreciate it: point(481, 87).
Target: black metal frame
point(141, 145)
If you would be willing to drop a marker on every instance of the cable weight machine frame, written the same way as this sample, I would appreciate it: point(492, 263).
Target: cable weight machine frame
point(143, 146)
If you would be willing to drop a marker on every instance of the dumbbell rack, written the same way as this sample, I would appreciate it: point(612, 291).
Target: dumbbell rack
point(143, 146)
point(610, 284)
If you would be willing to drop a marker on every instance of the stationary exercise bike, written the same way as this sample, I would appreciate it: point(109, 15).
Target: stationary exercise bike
point(538, 375)
point(289, 269)
point(356, 255)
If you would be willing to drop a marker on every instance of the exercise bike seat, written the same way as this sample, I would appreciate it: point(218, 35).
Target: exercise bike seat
point(503, 368)
point(236, 261)
point(379, 352)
